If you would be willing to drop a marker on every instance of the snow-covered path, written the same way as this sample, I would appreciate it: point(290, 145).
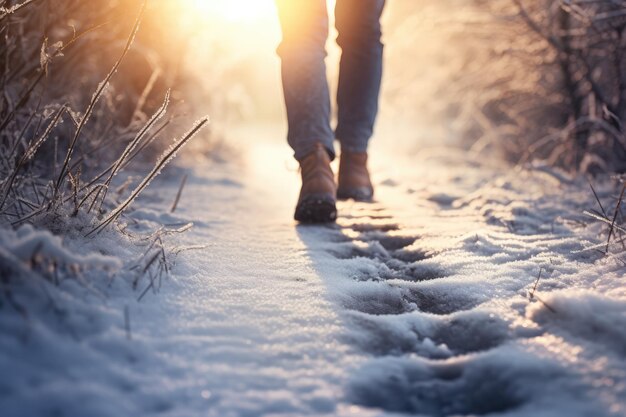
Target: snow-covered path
point(415, 304)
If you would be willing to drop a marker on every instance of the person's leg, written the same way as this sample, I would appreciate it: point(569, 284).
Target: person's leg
point(358, 24)
point(304, 25)
point(360, 73)
point(305, 30)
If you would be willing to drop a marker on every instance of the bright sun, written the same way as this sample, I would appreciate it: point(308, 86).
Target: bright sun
point(236, 10)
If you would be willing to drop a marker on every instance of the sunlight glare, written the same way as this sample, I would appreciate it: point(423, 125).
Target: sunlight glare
point(235, 10)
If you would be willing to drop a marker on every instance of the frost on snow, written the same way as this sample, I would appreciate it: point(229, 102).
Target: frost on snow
point(419, 304)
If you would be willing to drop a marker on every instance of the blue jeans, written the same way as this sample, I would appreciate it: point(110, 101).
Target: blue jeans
point(304, 25)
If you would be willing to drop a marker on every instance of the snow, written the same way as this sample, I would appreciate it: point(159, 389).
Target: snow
point(26, 243)
point(417, 304)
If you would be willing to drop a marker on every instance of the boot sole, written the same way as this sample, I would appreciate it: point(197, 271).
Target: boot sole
point(363, 195)
point(316, 209)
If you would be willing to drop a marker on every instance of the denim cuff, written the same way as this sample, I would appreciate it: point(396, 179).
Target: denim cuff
point(303, 152)
point(362, 147)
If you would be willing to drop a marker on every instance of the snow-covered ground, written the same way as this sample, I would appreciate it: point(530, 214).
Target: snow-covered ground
point(417, 304)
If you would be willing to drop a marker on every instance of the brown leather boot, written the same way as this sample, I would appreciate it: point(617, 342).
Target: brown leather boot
point(354, 178)
point(316, 203)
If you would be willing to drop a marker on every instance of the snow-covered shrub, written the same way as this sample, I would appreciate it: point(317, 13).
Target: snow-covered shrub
point(76, 106)
point(28, 251)
point(84, 96)
point(531, 78)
